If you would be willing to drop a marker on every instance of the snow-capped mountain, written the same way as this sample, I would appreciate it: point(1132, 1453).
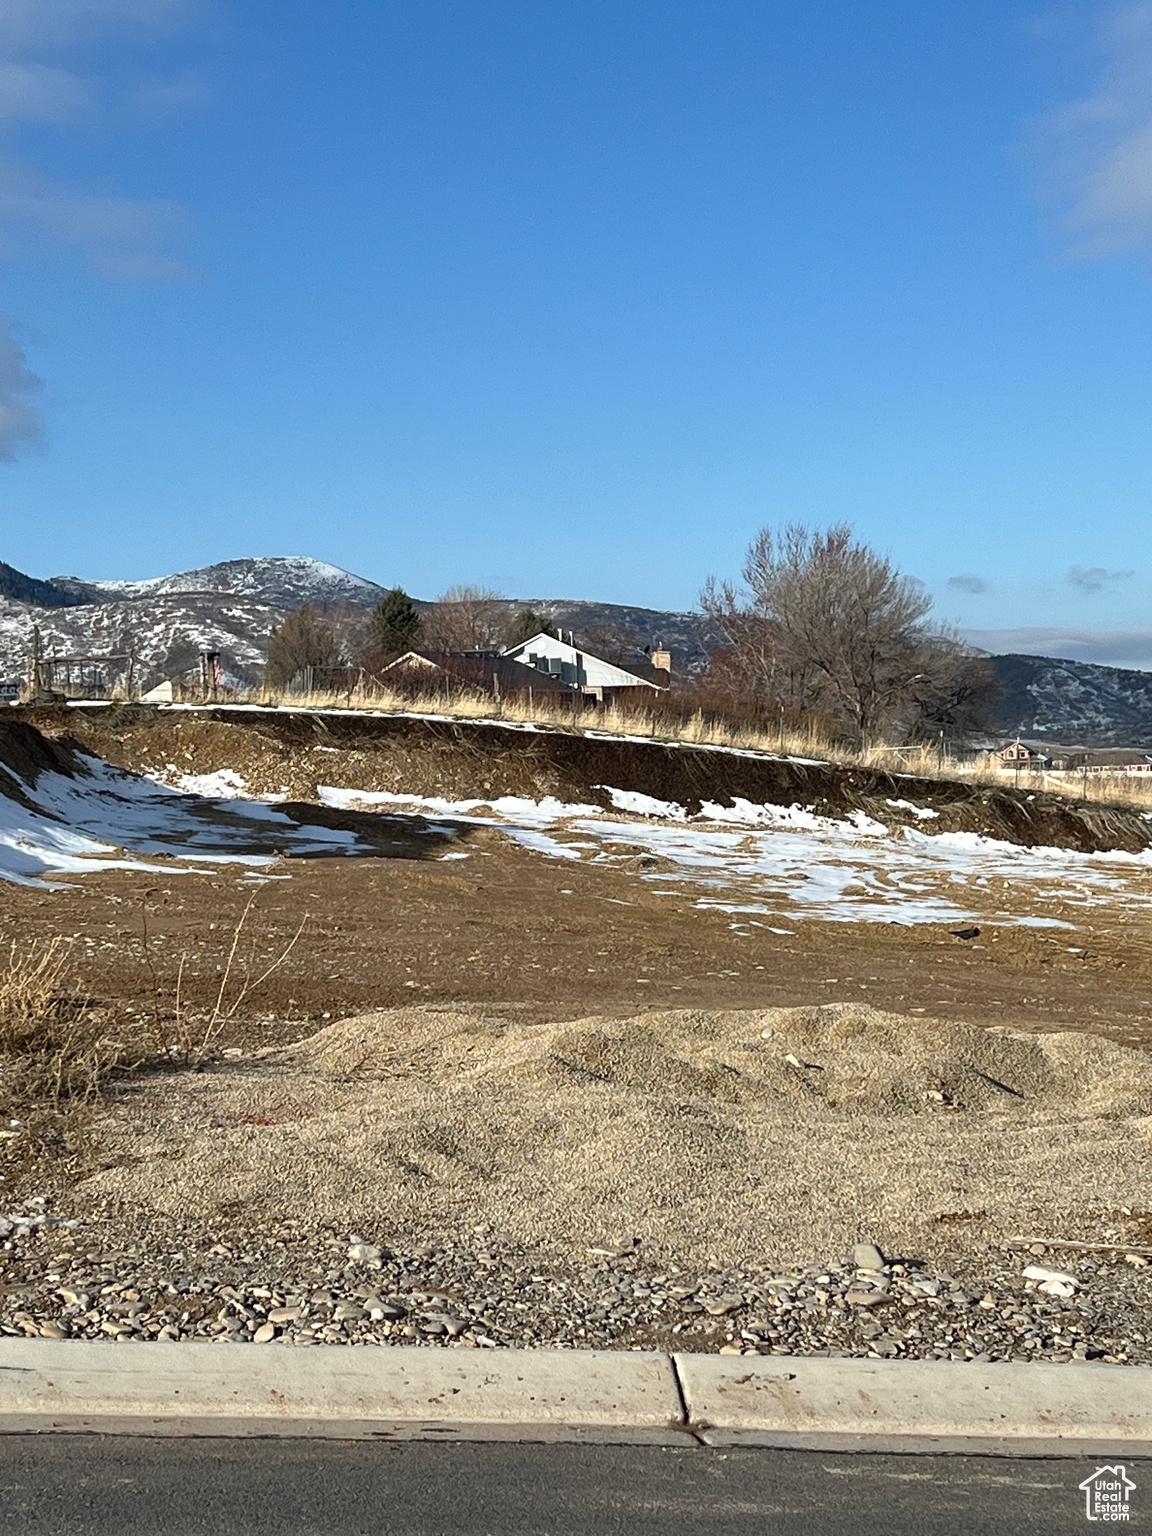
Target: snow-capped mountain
point(166, 621)
point(280, 582)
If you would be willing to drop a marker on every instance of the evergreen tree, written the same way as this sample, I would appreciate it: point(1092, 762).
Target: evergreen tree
point(395, 624)
point(525, 625)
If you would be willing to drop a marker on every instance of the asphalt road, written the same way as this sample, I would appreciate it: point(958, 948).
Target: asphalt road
point(94, 1486)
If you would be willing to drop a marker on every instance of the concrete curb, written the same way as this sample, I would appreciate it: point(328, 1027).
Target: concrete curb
point(390, 1394)
point(609, 1398)
point(918, 1405)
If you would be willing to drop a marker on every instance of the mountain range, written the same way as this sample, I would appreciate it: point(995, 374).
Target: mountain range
point(230, 608)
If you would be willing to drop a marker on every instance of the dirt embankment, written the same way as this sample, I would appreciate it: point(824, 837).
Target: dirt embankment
point(294, 751)
point(26, 753)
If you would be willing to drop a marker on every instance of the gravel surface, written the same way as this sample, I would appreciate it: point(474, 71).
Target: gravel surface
point(720, 1138)
point(332, 1287)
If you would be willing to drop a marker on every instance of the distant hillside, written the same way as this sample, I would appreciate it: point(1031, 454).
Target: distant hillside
point(1046, 699)
point(42, 594)
point(230, 608)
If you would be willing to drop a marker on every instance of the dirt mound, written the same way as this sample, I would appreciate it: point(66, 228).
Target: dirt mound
point(294, 751)
point(26, 753)
point(837, 1058)
point(694, 1130)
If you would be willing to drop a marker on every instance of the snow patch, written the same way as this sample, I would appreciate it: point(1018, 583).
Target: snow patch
point(773, 860)
point(104, 818)
point(921, 812)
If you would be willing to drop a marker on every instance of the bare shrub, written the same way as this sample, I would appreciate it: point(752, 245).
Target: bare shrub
point(466, 618)
point(305, 641)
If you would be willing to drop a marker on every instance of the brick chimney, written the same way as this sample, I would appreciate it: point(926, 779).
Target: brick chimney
point(662, 660)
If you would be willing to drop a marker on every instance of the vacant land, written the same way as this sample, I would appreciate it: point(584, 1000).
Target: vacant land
point(569, 991)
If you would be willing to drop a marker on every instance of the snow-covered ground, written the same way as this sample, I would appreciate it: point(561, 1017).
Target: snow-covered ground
point(756, 862)
point(108, 819)
point(759, 861)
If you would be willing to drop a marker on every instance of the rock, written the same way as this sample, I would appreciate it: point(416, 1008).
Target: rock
point(363, 1253)
point(731, 1349)
point(52, 1330)
point(720, 1306)
point(1053, 1282)
point(384, 1311)
point(349, 1312)
point(285, 1314)
point(857, 1296)
point(264, 1334)
point(867, 1256)
point(1057, 1288)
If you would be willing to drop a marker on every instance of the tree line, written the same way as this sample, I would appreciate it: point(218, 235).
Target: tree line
point(463, 618)
point(822, 631)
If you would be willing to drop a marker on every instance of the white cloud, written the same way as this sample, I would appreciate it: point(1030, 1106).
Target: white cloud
point(39, 93)
point(21, 425)
point(1105, 647)
point(123, 237)
point(160, 96)
point(1096, 152)
point(34, 25)
point(1095, 578)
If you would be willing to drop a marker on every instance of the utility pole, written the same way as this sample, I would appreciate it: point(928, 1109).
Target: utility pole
point(34, 666)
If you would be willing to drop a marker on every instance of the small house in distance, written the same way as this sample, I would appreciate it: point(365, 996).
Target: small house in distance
point(552, 656)
point(487, 671)
point(1018, 755)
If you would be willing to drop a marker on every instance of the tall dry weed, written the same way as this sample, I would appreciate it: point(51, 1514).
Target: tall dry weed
point(53, 1045)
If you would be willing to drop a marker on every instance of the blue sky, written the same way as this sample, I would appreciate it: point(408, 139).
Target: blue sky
point(569, 298)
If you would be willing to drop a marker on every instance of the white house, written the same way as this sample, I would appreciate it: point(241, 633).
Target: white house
point(559, 658)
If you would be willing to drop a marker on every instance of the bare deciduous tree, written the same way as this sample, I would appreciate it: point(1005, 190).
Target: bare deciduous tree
point(466, 618)
point(303, 640)
point(828, 624)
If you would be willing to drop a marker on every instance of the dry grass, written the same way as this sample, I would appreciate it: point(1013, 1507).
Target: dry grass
point(56, 1052)
point(698, 729)
point(54, 1046)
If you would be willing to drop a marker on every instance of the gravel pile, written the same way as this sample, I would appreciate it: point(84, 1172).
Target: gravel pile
point(62, 1280)
point(719, 1136)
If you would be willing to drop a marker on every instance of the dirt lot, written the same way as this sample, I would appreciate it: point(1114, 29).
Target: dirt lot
point(549, 939)
point(551, 942)
point(534, 941)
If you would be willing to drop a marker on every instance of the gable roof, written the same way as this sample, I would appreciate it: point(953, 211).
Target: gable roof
point(478, 668)
point(599, 673)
